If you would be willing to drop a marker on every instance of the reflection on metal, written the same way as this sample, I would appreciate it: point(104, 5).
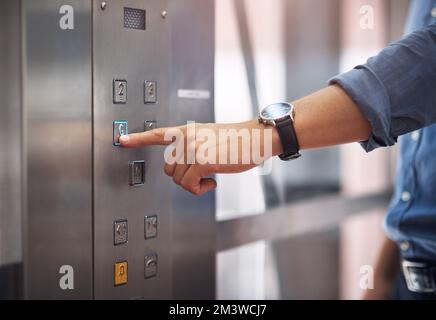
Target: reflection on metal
point(57, 128)
point(11, 279)
point(269, 187)
point(303, 266)
point(193, 218)
point(302, 218)
point(194, 94)
point(10, 132)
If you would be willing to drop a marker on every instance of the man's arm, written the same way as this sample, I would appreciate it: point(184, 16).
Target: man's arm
point(325, 118)
point(329, 117)
point(393, 94)
point(396, 88)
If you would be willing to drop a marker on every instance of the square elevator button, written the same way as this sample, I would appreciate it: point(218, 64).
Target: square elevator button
point(150, 227)
point(150, 268)
point(150, 92)
point(150, 125)
point(136, 173)
point(121, 273)
point(121, 128)
point(120, 91)
point(120, 232)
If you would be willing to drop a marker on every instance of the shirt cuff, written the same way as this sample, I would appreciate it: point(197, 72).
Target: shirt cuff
point(367, 91)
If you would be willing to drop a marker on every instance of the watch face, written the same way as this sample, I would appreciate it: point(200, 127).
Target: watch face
point(276, 111)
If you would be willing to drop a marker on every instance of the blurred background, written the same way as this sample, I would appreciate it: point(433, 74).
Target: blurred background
point(304, 231)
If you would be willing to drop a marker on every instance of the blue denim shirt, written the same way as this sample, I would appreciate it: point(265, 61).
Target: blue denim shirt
point(396, 91)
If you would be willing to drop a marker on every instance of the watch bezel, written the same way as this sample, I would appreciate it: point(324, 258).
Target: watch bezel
point(273, 121)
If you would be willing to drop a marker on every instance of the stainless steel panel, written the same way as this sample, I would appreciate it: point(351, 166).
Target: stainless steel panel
point(193, 218)
point(137, 56)
point(57, 149)
point(10, 132)
point(10, 153)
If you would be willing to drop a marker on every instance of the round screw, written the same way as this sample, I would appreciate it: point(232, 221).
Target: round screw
point(164, 14)
point(103, 5)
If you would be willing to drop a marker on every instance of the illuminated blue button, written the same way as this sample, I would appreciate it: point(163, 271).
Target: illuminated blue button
point(121, 128)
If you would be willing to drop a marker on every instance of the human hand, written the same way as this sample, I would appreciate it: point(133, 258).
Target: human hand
point(196, 152)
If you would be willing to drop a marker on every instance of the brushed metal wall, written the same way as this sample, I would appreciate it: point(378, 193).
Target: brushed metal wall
point(57, 129)
point(10, 132)
point(193, 218)
point(10, 153)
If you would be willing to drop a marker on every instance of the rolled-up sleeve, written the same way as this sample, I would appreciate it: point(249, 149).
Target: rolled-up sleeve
point(396, 90)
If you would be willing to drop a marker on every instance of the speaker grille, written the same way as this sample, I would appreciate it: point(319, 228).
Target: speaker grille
point(134, 18)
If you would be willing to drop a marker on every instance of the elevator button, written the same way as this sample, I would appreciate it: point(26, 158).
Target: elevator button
point(150, 265)
point(150, 125)
point(120, 91)
point(121, 270)
point(150, 227)
point(120, 232)
point(136, 173)
point(150, 92)
point(121, 128)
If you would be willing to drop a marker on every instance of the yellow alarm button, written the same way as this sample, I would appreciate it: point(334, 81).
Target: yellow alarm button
point(121, 273)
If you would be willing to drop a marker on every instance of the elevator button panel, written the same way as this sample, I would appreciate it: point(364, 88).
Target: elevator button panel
point(121, 272)
point(150, 227)
point(136, 173)
point(150, 125)
point(120, 91)
point(121, 128)
point(150, 266)
point(150, 92)
point(120, 232)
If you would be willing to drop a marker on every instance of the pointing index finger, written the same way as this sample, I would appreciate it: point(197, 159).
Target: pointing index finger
point(150, 138)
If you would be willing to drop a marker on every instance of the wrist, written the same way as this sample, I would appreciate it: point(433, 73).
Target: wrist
point(275, 142)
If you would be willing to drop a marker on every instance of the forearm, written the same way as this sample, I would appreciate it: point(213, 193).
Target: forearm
point(329, 117)
point(370, 104)
point(377, 102)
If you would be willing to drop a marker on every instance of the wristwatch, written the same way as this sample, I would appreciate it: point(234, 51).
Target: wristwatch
point(281, 116)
